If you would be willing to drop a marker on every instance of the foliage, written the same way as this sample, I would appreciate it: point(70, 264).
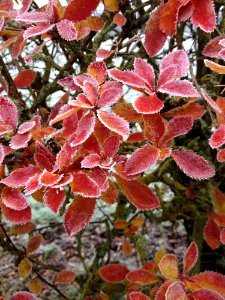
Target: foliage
point(83, 123)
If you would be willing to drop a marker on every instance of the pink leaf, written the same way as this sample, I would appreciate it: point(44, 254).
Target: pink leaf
point(78, 214)
point(218, 137)
point(148, 105)
point(128, 77)
point(85, 127)
point(67, 30)
point(37, 30)
point(53, 198)
point(13, 198)
point(110, 93)
point(192, 164)
point(114, 122)
point(176, 127)
point(20, 141)
point(8, 112)
point(145, 71)
point(204, 15)
point(176, 291)
point(113, 273)
point(2, 154)
point(33, 17)
point(68, 83)
point(21, 176)
point(166, 75)
point(91, 161)
point(154, 37)
point(141, 159)
point(26, 127)
point(190, 257)
point(182, 88)
point(103, 53)
point(211, 102)
point(214, 47)
point(205, 294)
point(177, 59)
point(23, 296)
point(138, 194)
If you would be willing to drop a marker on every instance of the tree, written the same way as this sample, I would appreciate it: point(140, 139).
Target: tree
point(114, 102)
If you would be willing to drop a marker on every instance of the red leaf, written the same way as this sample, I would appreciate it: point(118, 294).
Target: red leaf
point(218, 200)
point(204, 15)
point(168, 266)
point(67, 30)
point(176, 291)
point(8, 112)
point(166, 75)
point(138, 194)
point(23, 296)
point(154, 37)
point(111, 146)
point(221, 155)
point(137, 296)
point(211, 280)
point(78, 10)
point(177, 59)
point(34, 243)
point(181, 88)
point(78, 214)
point(37, 30)
point(212, 233)
point(222, 236)
point(148, 105)
point(113, 273)
point(64, 277)
point(161, 294)
point(192, 164)
point(85, 127)
point(98, 70)
point(218, 137)
point(205, 294)
point(154, 128)
point(49, 178)
point(84, 185)
point(119, 20)
point(190, 257)
point(141, 277)
point(21, 176)
point(169, 17)
point(54, 198)
point(141, 159)
point(114, 122)
point(13, 199)
point(16, 216)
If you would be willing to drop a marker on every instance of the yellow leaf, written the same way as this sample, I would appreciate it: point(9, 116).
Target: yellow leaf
point(35, 285)
point(25, 268)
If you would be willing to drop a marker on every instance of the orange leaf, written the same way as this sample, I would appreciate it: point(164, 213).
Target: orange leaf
point(35, 285)
point(168, 266)
point(111, 5)
point(214, 67)
point(113, 273)
point(120, 224)
point(24, 78)
point(126, 247)
point(141, 277)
